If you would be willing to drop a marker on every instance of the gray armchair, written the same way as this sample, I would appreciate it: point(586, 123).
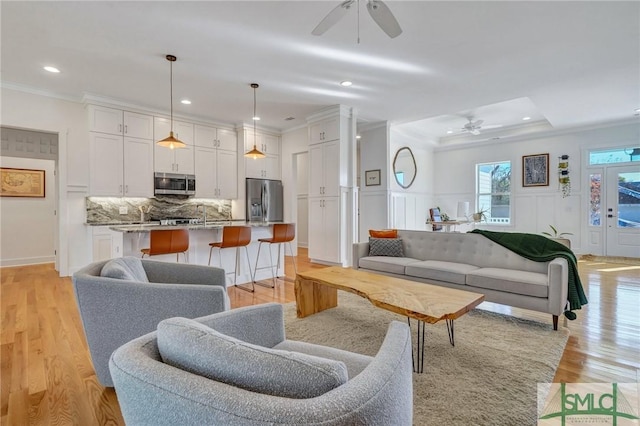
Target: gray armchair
point(377, 391)
point(115, 311)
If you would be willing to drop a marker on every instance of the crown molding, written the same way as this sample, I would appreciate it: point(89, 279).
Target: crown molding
point(35, 91)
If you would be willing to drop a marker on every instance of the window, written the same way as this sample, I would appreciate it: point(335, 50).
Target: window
point(595, 180)
point(613, 156)
point(493, 191)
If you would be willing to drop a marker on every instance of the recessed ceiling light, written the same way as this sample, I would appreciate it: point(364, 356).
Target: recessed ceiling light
point(51, 69)
point(186, 101)
point(637, 111)
point(358, 136)
point(346, 83)
point(449, 132)
point(256, 118)
point(526, 118)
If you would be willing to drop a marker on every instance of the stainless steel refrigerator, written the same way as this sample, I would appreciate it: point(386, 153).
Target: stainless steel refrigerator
point(264, 200)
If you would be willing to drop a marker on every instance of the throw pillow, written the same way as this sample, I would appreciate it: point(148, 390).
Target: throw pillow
point(383, 233)
point(391, 247)
point(198, 349)
point(125, 268)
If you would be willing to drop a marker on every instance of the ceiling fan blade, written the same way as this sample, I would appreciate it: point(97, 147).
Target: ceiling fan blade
point(384, 18)
point(477, 123)
point(491, 126)
point(332, 18)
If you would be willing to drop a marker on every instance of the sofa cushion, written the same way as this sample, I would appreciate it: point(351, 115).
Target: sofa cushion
point(194, 347)
point(386, 247)
point(383, 233)
point(392, 265)
point(511, 281)
point(442, 271)
point(125, 268)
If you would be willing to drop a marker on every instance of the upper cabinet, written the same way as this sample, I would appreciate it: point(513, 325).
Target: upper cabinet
point(121, 153)
point(212, 137)
point(179, 160)
point(269, 144)
point(325, 130)
point(118, 122)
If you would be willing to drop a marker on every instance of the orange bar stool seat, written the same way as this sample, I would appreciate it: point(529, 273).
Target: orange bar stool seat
point(167, 241)
point(234, 237)
point(283, 233)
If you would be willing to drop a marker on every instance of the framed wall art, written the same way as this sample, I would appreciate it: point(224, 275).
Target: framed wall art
point(21, 183)
point(372, 177)
point(535, 170)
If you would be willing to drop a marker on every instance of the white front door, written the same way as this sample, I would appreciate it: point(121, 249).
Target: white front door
point(622, 215)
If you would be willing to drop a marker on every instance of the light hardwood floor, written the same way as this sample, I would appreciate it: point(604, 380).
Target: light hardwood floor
point(46, 374)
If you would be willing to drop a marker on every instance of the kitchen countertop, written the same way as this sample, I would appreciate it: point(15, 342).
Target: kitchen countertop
point(149, 226)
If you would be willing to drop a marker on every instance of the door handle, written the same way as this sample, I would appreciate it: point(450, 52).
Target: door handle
point(125, 128)
point(610, 215)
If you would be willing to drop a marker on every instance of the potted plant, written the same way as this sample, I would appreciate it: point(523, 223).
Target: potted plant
point(558, 236)
point(480, 215)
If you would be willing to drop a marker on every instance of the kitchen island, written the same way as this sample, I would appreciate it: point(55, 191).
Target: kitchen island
point(136, 237)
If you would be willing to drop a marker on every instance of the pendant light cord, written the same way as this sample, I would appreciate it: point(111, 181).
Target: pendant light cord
point(171, 88)
point(254, 117)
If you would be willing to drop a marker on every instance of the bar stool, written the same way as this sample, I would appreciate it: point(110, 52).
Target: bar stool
point(234, 236)
point(282, 233)
point(167, 241)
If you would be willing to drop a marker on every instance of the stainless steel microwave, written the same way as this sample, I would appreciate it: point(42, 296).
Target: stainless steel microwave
point(174, 183)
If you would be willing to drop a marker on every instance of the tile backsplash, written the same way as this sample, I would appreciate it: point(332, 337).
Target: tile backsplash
point(108, 209)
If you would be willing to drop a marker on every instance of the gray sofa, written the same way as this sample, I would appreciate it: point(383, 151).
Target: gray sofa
point(472, 262)
point(373, 391)
point(117, 310)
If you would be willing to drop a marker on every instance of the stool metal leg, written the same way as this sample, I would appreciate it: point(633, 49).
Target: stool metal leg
point(270, 267)
point(252, 274)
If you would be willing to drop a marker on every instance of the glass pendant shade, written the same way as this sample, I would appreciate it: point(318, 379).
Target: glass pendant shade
point(171, 141)
point(254, 153)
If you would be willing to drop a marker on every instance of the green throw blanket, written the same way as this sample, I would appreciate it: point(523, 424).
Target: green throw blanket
point(542, 249)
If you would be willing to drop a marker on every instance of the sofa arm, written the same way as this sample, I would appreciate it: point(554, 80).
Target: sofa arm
point(359, 250)
point(181, 273)
point(558, 274)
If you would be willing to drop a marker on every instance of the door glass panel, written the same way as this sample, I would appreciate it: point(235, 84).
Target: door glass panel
point(629, 200)
point(595, 181)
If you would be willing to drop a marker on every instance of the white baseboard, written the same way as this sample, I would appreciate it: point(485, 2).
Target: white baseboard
point(27, 261)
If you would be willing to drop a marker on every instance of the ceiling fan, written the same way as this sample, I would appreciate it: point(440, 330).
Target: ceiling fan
point(474, 127)
point(379, 11)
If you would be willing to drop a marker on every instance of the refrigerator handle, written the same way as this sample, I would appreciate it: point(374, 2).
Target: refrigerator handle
point(265, 201)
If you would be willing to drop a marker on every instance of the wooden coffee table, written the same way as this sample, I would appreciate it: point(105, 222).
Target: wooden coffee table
point(317, 290)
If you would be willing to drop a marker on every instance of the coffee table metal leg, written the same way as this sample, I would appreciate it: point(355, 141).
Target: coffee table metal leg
point(418, 359)
point(450, 331)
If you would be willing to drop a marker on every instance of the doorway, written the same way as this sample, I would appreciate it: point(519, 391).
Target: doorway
point(622, 216)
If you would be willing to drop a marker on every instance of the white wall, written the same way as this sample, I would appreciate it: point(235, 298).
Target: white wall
point(67, 119)
point(302, 193)
point(28, 224)
point(533, 208)
point(293, 142)
point(374, 155)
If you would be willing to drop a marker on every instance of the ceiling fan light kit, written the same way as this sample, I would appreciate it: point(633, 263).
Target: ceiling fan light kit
point(171, 142)
point(377, 9)
point(255, 152)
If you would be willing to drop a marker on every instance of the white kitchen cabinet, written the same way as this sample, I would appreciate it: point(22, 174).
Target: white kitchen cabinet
point(263, 168)
point(216, 173)
point(324, 169)
point(212, 137)
point(120, 167)
point(138, 167)
point(106, 244)
point(265, 142)
point(325, 130)
point(179, 160)
point(118, 122)
point(324, 230)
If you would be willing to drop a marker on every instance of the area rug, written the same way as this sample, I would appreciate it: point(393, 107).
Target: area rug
point(489, 378)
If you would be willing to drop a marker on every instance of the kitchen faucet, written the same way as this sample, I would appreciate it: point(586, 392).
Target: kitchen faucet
point(204, 213)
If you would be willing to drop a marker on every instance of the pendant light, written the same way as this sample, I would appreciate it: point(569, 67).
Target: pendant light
point(254, 153)
point(170, 141)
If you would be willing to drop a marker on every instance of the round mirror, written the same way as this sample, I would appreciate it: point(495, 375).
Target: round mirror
point(404, 167)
